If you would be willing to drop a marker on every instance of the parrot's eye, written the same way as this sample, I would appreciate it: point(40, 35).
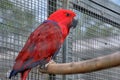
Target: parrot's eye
point(67, 14)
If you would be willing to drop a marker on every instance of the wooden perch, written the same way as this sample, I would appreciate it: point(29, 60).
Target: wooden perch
point(86, 66)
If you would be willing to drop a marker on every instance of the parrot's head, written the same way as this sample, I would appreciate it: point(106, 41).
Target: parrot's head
point(64, 17)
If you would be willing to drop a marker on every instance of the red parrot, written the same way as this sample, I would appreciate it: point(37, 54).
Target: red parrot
point(44, 42)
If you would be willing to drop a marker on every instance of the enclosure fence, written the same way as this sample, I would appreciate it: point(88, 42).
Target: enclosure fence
point(97, 34)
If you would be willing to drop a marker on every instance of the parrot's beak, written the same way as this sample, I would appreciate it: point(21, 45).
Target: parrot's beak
point(74, 23)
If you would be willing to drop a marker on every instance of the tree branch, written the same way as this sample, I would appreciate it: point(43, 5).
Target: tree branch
point(86, 66)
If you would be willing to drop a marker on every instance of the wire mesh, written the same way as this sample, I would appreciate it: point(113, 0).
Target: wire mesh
point(97, 34)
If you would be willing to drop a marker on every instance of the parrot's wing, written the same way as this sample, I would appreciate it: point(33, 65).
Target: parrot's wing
point(41, 45)
point(55, 54)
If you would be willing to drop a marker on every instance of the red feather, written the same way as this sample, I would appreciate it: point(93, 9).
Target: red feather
point(42, 43)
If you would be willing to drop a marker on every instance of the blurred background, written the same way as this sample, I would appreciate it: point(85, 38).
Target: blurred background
point(97, 34)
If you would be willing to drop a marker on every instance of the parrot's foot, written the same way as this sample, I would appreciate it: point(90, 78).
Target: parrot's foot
point(44, 67)
point(50, 62)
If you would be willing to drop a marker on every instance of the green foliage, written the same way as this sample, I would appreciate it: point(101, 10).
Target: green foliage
point(6, 4)
point(89, 27)
point(15, 18)
point(92, 31)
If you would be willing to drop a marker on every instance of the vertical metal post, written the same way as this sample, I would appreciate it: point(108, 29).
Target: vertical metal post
point(65, 4)
point(64, 53)
point(52, 6)
point(64, 48)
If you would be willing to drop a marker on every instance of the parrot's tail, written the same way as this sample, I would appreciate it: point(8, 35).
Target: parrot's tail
point(13, 73)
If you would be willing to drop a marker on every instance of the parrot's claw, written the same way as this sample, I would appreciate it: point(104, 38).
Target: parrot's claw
point(43, 67)
point(46, 65)
point(50, 62)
